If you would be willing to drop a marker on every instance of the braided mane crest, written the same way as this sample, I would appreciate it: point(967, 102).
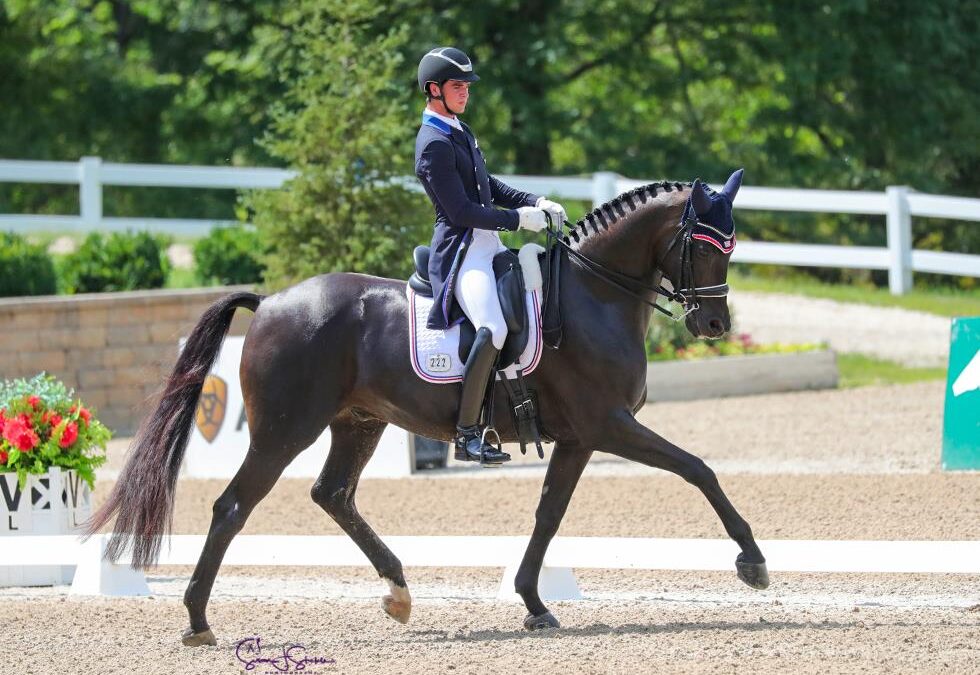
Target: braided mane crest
point(617, 208)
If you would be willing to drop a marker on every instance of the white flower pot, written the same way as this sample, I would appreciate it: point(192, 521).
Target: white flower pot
point(56, 502)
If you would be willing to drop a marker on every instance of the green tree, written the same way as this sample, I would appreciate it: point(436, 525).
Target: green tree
point(344, 127)
point(169, 81)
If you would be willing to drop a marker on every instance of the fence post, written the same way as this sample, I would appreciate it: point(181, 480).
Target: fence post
point(899, 240)
point(90, 191)
point(603, 187)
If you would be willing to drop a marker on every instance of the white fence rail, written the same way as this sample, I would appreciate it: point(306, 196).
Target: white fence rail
point(897, 204)
point(94, 576)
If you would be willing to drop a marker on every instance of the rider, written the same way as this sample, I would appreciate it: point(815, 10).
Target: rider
point(451, 167)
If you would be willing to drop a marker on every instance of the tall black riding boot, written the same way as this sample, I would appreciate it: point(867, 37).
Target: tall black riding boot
point(470, 445)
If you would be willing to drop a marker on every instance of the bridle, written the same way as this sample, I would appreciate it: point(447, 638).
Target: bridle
point(687, 295)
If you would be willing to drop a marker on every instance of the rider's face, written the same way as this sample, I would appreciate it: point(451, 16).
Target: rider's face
point(456, 93)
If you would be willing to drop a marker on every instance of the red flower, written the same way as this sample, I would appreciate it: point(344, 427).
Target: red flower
point(84, 414)
point(20, 434)
point(54, 419)
point(3, 420)
point(69, 435)
point(3, 457)
point(35, 401)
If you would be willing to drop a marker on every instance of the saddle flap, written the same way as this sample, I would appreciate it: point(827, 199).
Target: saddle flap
point(510, 293)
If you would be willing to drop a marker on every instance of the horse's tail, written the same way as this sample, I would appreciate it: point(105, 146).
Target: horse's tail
point(143, 496)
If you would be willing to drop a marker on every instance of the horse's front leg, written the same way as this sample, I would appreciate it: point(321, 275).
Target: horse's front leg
point(568, 460)
point(629, 439)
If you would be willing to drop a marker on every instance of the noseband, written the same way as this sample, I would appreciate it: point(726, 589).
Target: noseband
point(688, 294)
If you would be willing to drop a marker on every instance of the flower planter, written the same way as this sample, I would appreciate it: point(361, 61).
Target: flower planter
point(56, 502)
point(686, 380)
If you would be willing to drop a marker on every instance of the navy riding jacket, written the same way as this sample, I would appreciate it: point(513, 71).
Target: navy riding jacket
point(450, 165)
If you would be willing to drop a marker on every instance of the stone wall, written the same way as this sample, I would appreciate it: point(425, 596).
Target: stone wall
point(114, 349)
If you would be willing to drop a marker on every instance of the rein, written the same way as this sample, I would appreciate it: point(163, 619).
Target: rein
point(688, 294)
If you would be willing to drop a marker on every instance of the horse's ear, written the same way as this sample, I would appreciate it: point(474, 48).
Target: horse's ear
point(700, 198)
point(732, 185)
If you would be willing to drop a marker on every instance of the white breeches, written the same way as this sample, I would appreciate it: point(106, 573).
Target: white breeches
point(476, 287)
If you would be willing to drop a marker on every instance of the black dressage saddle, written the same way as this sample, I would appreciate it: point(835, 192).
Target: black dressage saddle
point(510, 290)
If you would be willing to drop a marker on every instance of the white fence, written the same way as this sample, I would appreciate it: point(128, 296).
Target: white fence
point(897, 204)
point(95, 576)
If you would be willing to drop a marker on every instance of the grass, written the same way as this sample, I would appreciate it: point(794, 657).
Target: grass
point(857, 370)
point(943, 302)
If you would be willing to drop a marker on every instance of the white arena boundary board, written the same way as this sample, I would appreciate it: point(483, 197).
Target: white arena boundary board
point(94, 576)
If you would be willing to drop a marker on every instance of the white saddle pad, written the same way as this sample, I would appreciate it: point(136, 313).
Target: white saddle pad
point(435, 353)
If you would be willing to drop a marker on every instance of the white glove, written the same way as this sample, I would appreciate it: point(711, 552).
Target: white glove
point(557, 211)
point(531, 218)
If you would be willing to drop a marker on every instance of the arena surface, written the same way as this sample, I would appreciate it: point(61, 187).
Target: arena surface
point(849, 464)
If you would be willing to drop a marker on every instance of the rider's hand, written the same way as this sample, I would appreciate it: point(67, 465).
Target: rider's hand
point(531, 218)
point(557, 211)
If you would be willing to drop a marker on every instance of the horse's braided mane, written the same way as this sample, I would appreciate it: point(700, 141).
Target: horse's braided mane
point(617, 208)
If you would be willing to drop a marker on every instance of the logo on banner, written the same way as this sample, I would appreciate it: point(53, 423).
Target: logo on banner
point(211, 407)
point(969, 379)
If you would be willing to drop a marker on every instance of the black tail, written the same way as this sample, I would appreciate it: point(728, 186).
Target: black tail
point(143, 496)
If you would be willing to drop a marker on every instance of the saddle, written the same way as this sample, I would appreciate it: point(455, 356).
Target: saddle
point(510, 291)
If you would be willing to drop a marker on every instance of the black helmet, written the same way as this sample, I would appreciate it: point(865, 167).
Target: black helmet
point(445, 63)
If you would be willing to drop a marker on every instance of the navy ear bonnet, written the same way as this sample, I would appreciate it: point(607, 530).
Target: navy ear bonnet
point(714, 223)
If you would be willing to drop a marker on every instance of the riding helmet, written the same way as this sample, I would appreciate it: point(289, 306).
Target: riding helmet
point(445, 63)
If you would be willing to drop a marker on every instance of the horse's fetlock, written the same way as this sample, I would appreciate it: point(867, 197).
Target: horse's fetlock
point(523, 586)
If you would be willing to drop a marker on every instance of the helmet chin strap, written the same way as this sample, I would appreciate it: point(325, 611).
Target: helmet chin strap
point(442, 98)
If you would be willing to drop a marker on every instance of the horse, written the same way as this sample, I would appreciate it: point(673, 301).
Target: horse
point(331, 351)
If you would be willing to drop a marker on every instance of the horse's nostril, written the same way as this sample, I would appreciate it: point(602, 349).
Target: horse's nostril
point(716, 326)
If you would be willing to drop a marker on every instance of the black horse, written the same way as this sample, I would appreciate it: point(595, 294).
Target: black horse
point(332, 350)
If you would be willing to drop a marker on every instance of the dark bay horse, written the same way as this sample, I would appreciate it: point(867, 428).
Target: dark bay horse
point(333, 351)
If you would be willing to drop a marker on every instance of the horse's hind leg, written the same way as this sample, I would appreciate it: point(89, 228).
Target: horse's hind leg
point(258, 473)
point(352, 442)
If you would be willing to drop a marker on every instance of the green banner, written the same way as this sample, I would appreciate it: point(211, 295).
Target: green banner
point(961, 421)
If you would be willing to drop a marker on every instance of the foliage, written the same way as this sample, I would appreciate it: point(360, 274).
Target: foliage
point(858, 370)
point(229, 256)
point(845, 95)
point(42, 425)
point(343, 126)
point(25, 269)
point(117, 262)
point(165, 81)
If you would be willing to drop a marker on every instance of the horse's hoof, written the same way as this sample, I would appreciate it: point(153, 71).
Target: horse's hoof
point(546, 620)
point(192, 639)
point(754, 574)
point(398, 605)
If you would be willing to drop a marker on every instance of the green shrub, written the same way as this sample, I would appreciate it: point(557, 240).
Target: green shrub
point(25, 269)
point(117, 262)
point(344, 125)
point(229, 255)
